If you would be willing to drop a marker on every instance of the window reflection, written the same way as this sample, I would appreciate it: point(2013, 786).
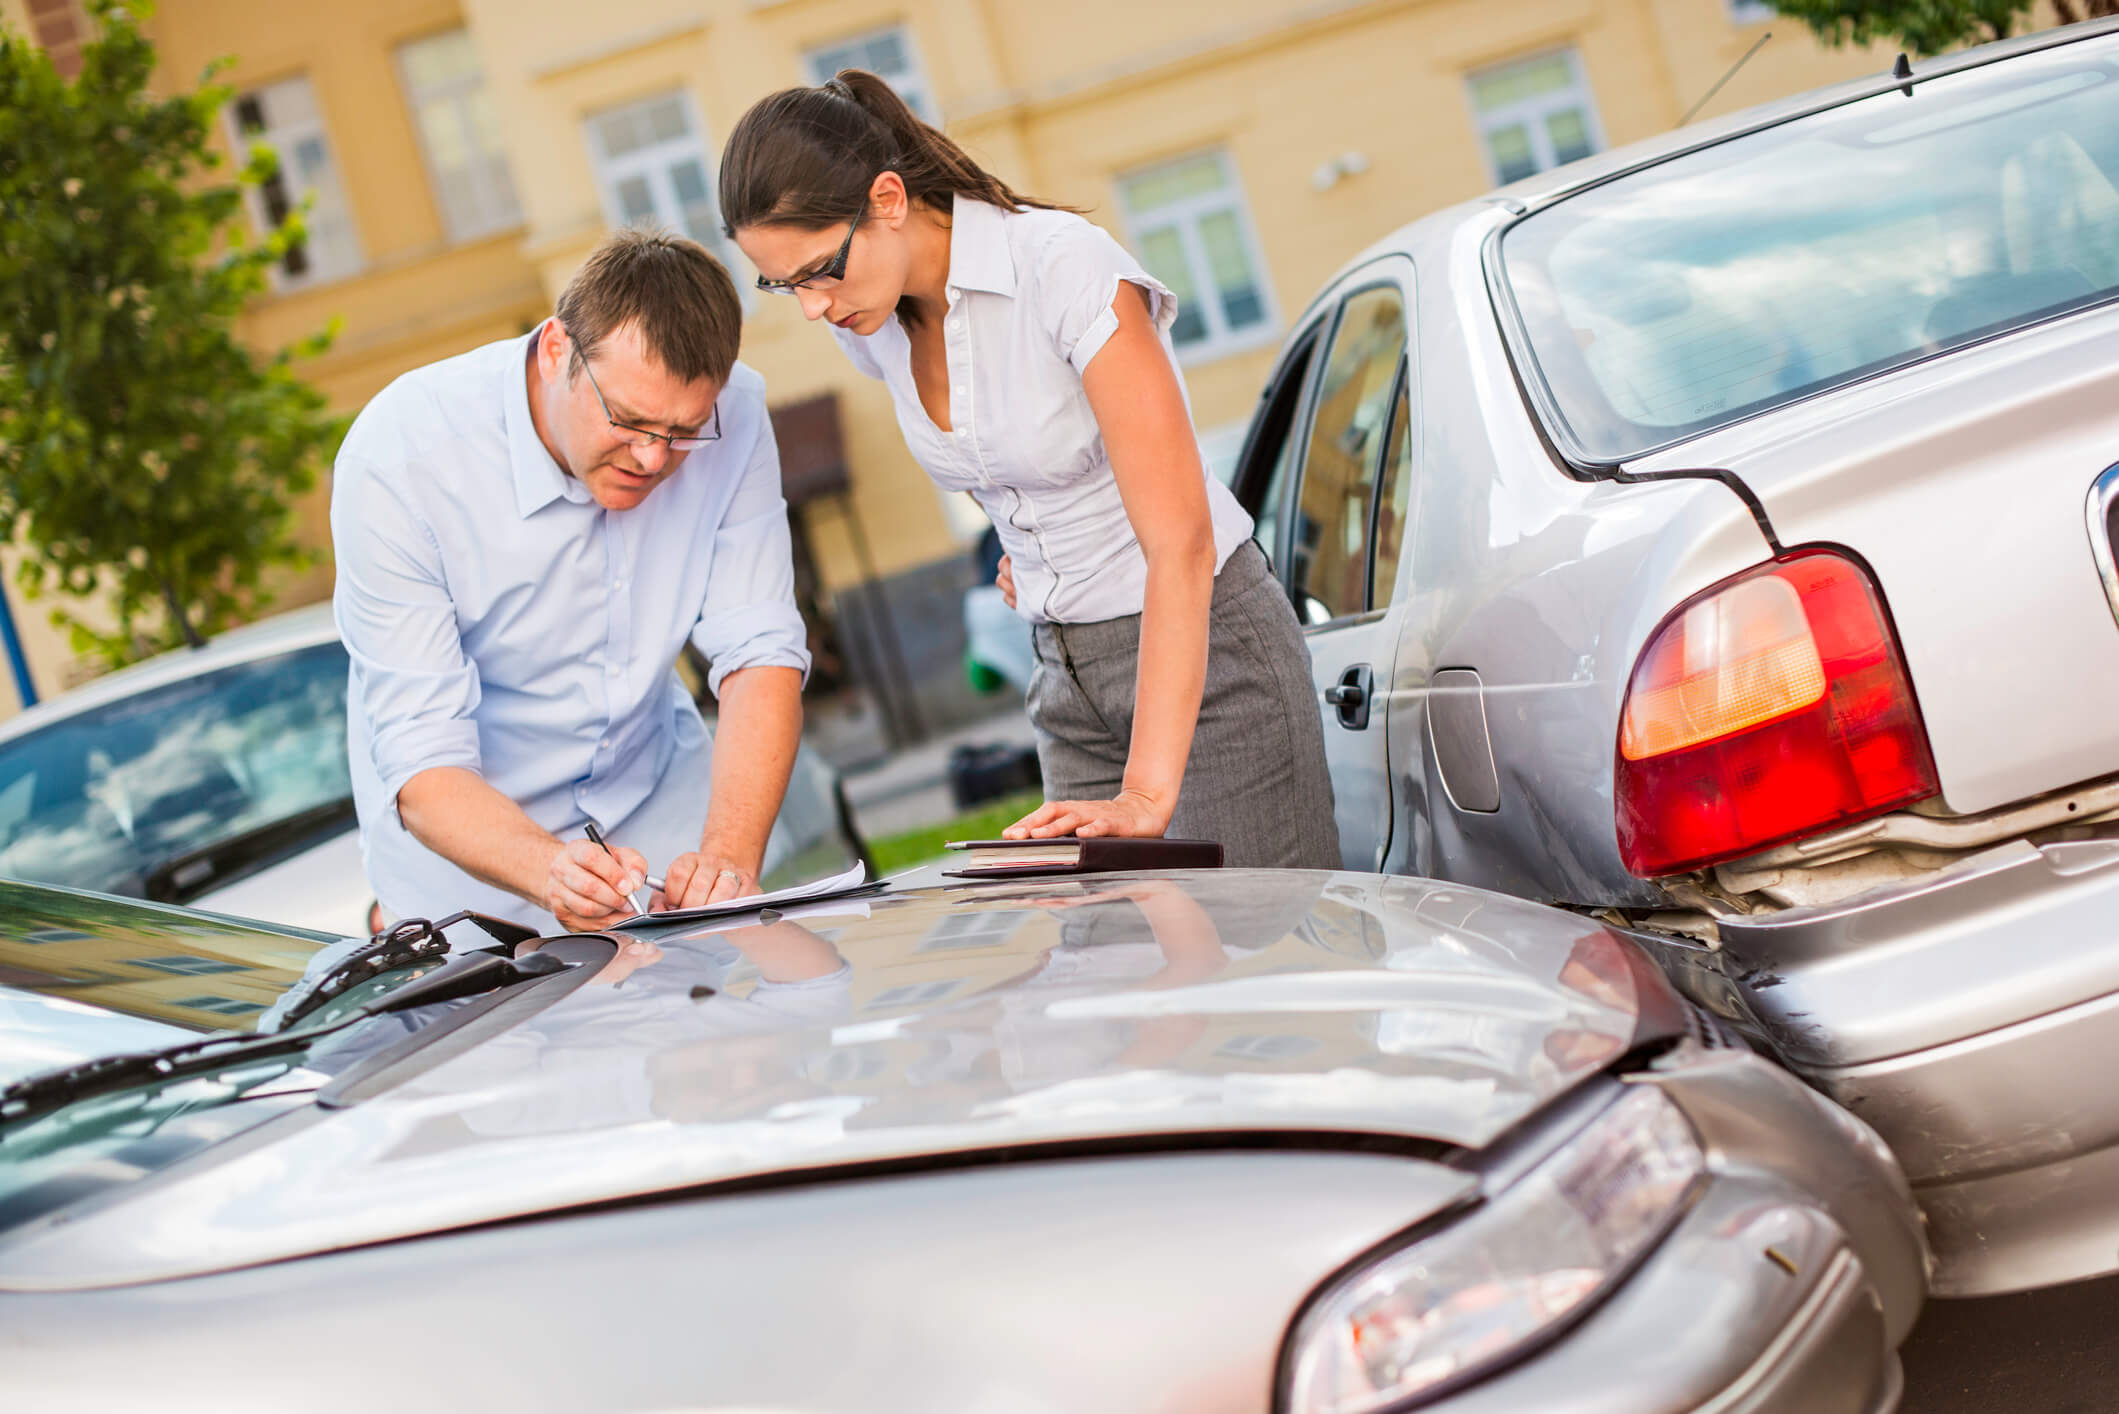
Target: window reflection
point(1750, 273)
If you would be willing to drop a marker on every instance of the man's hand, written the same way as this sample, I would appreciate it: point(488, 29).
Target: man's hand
point(1132, 814)
point(1005, 580)
point(708, 877)
point(586, 887)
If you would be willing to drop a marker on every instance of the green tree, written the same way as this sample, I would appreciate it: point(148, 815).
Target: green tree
point(1927, 26)
point(144, 450)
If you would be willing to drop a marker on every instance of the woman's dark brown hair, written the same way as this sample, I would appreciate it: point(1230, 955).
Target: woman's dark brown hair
point(806, 157)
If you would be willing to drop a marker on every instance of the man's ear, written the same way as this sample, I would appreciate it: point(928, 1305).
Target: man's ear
point(553, 349)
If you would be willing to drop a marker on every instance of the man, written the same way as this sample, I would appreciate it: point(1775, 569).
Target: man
point(514, 607)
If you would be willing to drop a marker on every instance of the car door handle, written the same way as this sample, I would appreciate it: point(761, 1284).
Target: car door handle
point(1350, 695)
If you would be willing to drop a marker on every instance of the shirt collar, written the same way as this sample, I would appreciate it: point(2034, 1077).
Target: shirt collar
point(979, 255)
point(538, 479)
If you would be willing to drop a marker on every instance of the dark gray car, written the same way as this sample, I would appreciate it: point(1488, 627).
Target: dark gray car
point(1210, 1141)
point(1716, 537)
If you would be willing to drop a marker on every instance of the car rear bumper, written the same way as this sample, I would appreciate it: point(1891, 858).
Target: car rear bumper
point(1972, 1018)
point(2011, 1141)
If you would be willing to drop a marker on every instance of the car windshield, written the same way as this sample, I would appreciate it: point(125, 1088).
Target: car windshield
point(105, 798)
point(1746, 275)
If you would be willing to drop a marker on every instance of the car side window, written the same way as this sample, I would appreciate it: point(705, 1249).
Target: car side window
point(1395, 500)
point(1261, 481)
point(1328, 559)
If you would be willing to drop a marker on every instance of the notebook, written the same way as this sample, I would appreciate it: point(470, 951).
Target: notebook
point(1069, 854)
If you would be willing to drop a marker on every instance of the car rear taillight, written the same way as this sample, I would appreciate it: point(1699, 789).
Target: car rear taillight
point(1770, 707)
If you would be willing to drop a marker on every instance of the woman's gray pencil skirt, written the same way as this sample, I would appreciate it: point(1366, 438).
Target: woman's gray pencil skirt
point(1256, 777)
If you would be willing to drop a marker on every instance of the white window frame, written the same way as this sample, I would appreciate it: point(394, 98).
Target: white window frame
point(1749, 12)
point(499, 207)
point(653, 163)
point(914, 86)
point(1220, 340)
point(347, 256)
point(1532, 112)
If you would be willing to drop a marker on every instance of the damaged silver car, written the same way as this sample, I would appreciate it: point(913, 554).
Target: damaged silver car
point(1716, 537)
point(1218, 1141)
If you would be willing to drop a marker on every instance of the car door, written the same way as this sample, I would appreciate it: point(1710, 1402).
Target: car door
point(1328, 467)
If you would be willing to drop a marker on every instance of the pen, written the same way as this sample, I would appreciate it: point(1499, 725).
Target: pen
point(638, 902)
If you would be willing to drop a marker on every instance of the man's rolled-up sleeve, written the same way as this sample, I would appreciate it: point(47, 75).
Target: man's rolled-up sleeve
point(417, 689)
point(749, 618)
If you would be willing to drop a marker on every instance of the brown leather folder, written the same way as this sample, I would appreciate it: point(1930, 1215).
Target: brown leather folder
point(1069, 854)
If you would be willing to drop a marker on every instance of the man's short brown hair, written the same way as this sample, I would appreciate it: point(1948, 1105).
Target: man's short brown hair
point(682, 299)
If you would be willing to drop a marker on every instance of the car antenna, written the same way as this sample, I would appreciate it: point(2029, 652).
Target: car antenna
point(1725, 78)
point(1902, 70)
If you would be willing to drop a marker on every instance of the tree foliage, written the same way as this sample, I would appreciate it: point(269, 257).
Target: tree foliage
point(1928, 26)
point(144, 450)
point(1921, 26)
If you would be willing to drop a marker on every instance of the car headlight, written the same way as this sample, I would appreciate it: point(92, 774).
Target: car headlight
point(1434, 1315)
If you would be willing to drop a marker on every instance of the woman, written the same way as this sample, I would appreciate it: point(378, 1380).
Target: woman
point(1029, 360)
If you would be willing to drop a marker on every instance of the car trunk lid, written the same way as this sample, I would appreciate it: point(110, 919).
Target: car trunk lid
point(1965, 483)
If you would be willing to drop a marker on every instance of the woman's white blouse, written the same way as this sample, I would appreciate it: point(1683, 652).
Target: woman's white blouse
point(1030, 295)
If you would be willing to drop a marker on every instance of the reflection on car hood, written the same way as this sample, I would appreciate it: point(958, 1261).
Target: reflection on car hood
point(924, 1024)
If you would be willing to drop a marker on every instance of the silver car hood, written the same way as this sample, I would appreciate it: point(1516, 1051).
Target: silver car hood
point(1964, 483)
point(934, 1026)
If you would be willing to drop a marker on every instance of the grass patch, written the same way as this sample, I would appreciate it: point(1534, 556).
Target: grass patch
point(894, 852)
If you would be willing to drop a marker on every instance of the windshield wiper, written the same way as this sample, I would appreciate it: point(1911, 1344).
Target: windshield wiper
point(183, 877)
point(402, 944)
point(458, 977)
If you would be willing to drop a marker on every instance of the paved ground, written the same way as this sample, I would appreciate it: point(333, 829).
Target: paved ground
point(2045, 1352)
point(910, 790)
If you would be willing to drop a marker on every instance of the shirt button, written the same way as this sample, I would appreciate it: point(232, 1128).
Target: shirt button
point(617, 584)
point(604, 745)
point(963, 432)
point(611, 668)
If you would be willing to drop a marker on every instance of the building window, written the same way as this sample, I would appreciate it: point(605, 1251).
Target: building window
point(651, 163)
point(1535, 114)
point(466, 160)
point(1749, 12)
point(219, 1006)
point(188, 966)
point(284, 117)
point(886, 53)
point(37, 937)
point(912, 994)
point(976, 929)
point(1194, 234)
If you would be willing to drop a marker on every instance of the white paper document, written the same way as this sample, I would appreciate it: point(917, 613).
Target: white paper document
point(813, 891)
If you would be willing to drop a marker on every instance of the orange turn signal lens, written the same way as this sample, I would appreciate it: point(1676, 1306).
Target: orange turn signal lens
point(1740, 658)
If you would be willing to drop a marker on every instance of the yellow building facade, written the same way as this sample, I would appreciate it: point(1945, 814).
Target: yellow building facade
point(467, 154)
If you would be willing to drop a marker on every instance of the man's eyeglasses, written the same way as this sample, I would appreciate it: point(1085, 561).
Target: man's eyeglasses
point(833, 270)
point(640, 437)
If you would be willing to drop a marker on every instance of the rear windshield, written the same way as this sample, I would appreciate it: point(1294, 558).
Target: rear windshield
point(1746, 275)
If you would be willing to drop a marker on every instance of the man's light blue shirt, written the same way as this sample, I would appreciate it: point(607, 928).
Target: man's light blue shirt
point(499, 619)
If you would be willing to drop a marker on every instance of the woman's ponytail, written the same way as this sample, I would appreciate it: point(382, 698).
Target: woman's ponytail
point(807, 157)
